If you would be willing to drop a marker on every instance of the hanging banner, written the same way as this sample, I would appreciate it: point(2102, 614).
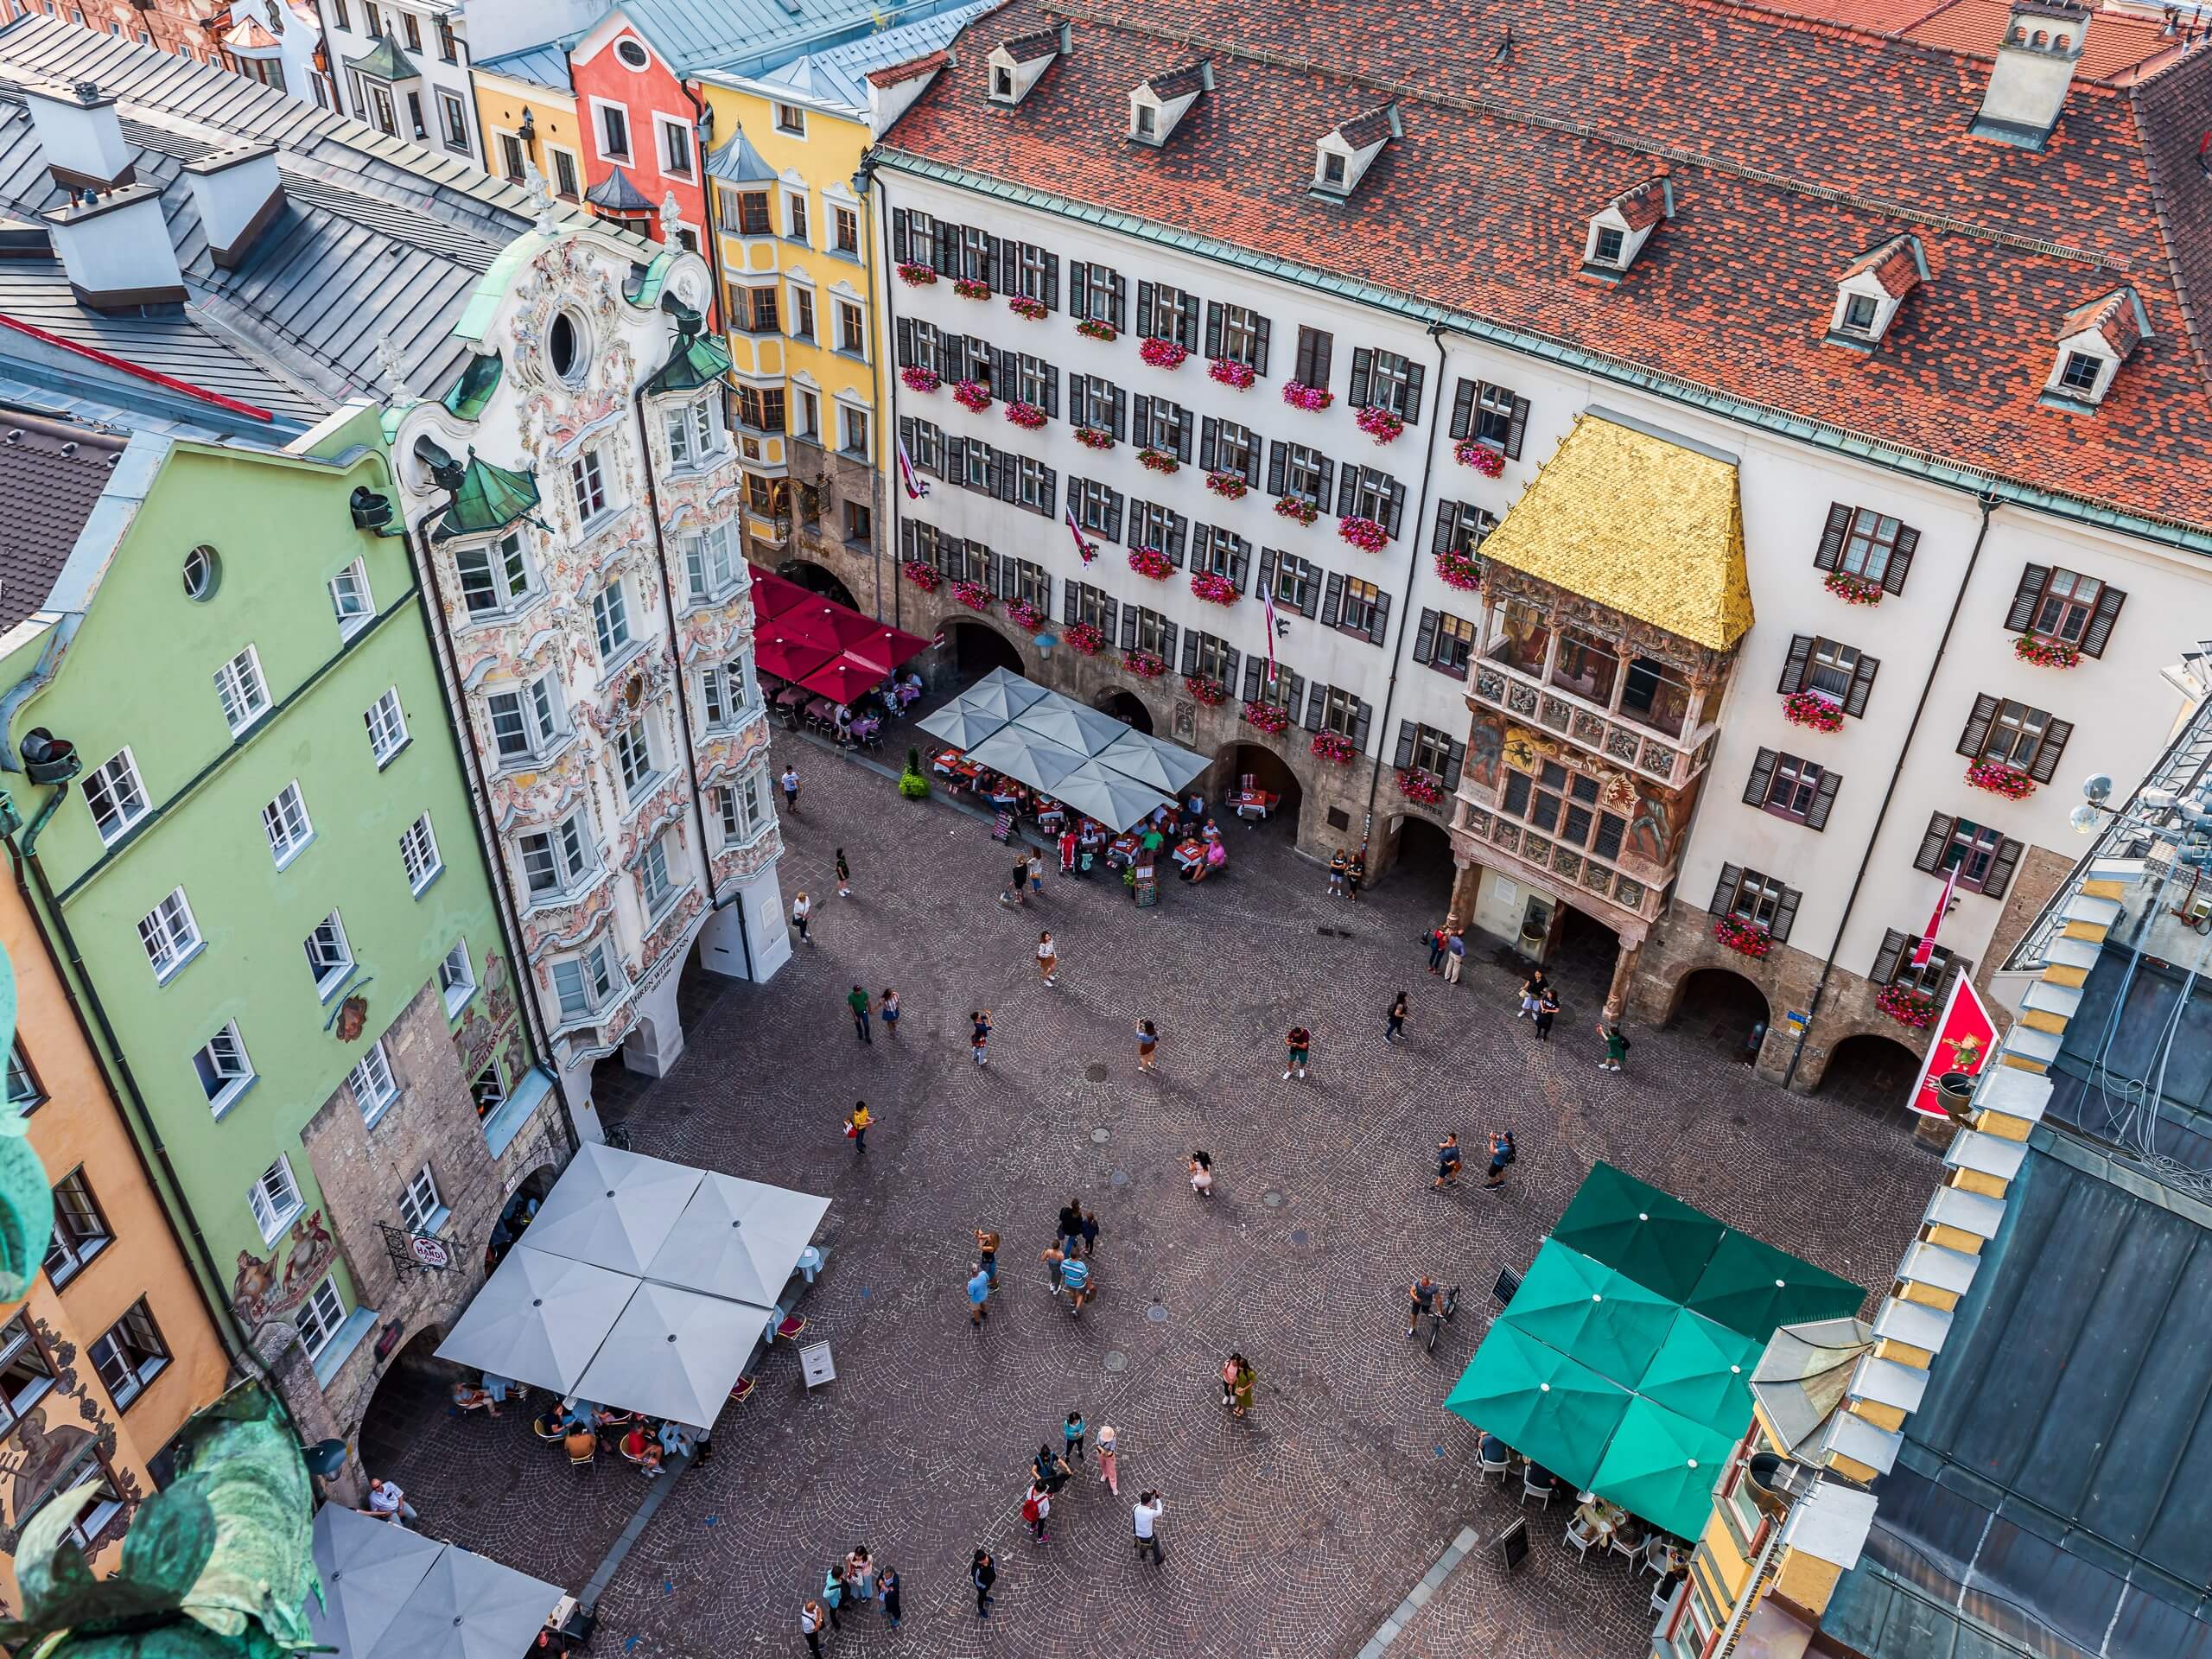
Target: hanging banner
point(1965, 1037)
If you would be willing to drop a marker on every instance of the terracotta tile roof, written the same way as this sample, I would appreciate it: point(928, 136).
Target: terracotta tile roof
point(1027, 48)
point(1896, 266)
point(1643, 206)
point(2118, 316)
point(1372, 128)
point(1852, 140)
point(53, 474)
point(892, 74)
point(1180, 83)
point(2120, 48)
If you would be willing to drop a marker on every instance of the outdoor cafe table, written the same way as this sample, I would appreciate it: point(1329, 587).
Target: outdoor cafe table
point(1191, 854)
point(953, 765)
point(1122, 849)
point(1259, 802)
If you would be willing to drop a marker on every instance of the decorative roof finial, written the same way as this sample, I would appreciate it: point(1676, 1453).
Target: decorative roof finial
point(671, 216)
point(540, 198)
point(395, 370)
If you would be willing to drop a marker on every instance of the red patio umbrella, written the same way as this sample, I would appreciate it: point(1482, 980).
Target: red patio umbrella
point(772, 594)
point(844, 679)
point(792, 661)
point(887, 647)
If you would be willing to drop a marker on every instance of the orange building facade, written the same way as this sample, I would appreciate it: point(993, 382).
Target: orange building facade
point(114, 1347)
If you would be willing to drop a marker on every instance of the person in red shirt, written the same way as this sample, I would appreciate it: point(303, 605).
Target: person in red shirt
point(1067, 851)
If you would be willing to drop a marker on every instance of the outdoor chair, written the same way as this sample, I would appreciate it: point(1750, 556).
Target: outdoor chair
point(1654, 1554)
point(1532, 1488)
point(1632, 1547)
point(1503, 1467)
point(586, 1461)
point(1663, 1596)
point(1578, 1539)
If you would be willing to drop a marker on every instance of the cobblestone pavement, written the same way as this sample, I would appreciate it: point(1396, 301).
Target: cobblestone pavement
point(1293, 1532)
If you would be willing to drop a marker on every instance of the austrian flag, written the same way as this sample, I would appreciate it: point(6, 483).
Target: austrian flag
point(1089, 551)
point(916, 486)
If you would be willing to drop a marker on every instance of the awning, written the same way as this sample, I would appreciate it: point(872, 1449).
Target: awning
point(1540, 1402)
point(1661, 1465)
point(1150, 760)
point(1640, 523)
point(1003, 693)
point(612, 1209)
point(1582, 1307)
point(1114, 798)
point(1026, 758)
point(1702, 1370)
point(390, 1594)
point(369, 1568)
point(791, 662)
point(539, 1319)
point(1652, 1237)
point(1753, 1288)
point(831, 649)
point(739, 1239)
point(675, 1353)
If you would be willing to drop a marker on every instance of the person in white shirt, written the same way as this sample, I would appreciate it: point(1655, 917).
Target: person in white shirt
point(1147, 1514)
point(388, 1503)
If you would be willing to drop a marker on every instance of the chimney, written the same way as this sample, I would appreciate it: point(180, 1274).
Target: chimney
point(2034, 67)
point(116, 249)
point(238, 192)
point(80, 136)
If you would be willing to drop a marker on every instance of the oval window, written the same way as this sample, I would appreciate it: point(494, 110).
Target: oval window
point(631, 53)
point(203, 568)
point(564, 346)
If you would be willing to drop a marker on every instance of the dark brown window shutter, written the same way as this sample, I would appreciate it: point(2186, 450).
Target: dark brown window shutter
point(1362, 371)
point(2021, 615)
point(1939, 826)
point(1862, 686)
point(1816, 815)
point(1831, 550)
point(1723, 891)
point(1762, 778)
point(2047, 751)
point(1425, 638)
point(2099, 629)
point(1463, 408)
point(1793, 669)
point(1785, 915)
point(1516, 428)
point(2001, 866)
point(1894, 946)
point(1977, 727)
point(1378, 622)
point(1332, 603)
point(1404, 757)
point(1901, 559)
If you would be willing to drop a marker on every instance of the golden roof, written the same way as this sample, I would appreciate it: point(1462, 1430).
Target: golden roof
point(1640, 524)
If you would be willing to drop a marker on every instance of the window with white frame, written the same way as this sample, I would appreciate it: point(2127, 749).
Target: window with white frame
point(845, 228)
point(129, 1355)
point(675, 147)
point(725, 693)
point(321, 1317)
point(456, 977)
point(80, 1231)
point(419, 1206)
point(693, 432)
point(496, 578)
point(614, 132)
point(114, 796)
point(712, 559)
point(374, 1087)
point(169, 934)
point(489, 1091)
point(274, 1200)
point(418, 854)
point(744, 810)
point(584, 983)
point(852, 329)
point(633, 758)
point(26, 1375)
point(855, 431)
point(25, 1093)
point(330, 957)
point(454, 121)
point(222, 1068)
point(100, 1502)
point(610, 620)
point(795, 216)
point(801, 324)
point(526, 719)
point(243, 692)
point(555, 860)
point(656, 884)
point(587, 477)
point(791, 118)
point(387, 724)
point(350, 600)
point(284, 820)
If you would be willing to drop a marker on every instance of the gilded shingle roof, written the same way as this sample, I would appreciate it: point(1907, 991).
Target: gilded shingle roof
point(1639, 524)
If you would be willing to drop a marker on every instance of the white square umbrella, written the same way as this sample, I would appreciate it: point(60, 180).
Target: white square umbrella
point(1114, 798)
point(674, 1353)
point(612, 1208)
point(1067, 722)
point(1149, 760)
point(961, 724)
point(539, 1319)
point(468, 1607)
point(1038, 762)
point(738, 1239)
point(1003, 692)
point(369, 1568)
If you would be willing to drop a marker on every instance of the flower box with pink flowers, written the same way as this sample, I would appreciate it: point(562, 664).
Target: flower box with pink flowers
point(1145, 664)
point(973, 395)
point(1853, 590)
point(924, 576)
point(2046, 653)
point(972, 287)
point(1415, 784)
point(1334, 746)
point(1024, 615)
point(1151, 561)
point(1913, 1008)
point(1364, 534)
point(1083, 639)
point(1291, 506)
point(2001, 778)
point(1379, 423)
point(1211, 692)
point(1093, 437)
point(1460, 571)
point(1157, 460)
point(973, 594)
point(1231, 373)
point(915, 377)
point(1811, 708)
point(915, 274)
point(1028, 416)
point(1269, 717)
point(1313, 399)
point(1473, 452)
point(1091, 328)
point(1214, 587)
point(1229, 487)
point(1163, 354)
point(1746, 939)
point(1023, 306)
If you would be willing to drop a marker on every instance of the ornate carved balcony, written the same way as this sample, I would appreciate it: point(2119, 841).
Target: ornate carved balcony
point(1664, 758)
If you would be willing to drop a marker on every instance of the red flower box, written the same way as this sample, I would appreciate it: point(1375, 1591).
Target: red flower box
point(1473, 452)
point(1145, 664)
point(2000, 779)
point(1213, 693)
point(1082, 639)
point(1231, 373)
point(1853, 590)
point(1334, 746)
point(915, 274)
point(972, 394)
point(1151, 561)
point(1163, 354)
point(1157, 460)
point(924, 576)
point(1023, 614)
point(973, 594)
point(1291, 506)
point(915, 377)
point(1460, 571)
point(1091, 437)
point(1910, 1008)
point(1231, 486)
point(1747, 938)
point(1091, 328)
point(1379, 423)
point(1417, 785)
point(1362, 533)
point(1810, 709)
point(1213, 587)
point(1028, 416)
point(1313, 399)
point(1023, 306)
point(1269, 717)
point(2045, 653)
point(972, 287)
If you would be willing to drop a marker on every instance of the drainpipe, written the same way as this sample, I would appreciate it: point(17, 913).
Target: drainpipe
point(702, 127)
point(1406, 605)
point(875, 385)
point(1988, 504)
point(873, 195)
point(27, 870)
point(466, 755)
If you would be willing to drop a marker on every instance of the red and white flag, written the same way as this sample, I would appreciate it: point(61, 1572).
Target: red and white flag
point(1926, 949)
point(1267, 601)
point(1088, 551)
point(917, 487)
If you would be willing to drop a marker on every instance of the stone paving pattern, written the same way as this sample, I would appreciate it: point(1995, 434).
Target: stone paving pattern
point(1294, 1532)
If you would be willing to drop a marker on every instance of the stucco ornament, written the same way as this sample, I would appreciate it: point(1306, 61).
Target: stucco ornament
point(26, 1200)
point(541, 198)
point(217, 1564)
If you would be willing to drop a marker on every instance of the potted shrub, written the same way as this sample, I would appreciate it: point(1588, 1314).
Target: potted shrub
point(2045, 653)
point(1214, 587)
point(1082, 639)
point(1379, 423)
point(1415, 784)
point(924, 576)
point(1156, 460)
point(1028, 416)
point(1292, 506)
point(1853, 590)
point(913, 783)
point(1151, 561)
point(1023, 306)
point(1024, 615)
point(1334, 746)
point(915, 274)
point(2001, 778)
point(1091, 328)
point(1473, 452)
point(972, 287)
point(1313, 399)
point(1092, 437)
point(1211, 692)
point(1748, 938)
point(915, 377)
point(973, 594)
point(1231, 486)
point(1269, 717)
point(972, 395)
point(1460, 571)
point(1910, 1008)
point(1145, 664)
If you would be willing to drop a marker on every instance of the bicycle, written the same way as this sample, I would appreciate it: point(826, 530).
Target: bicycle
point(1440, 1313)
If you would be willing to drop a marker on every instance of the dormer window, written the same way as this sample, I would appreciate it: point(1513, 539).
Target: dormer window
point(1332, 169)
point(1859, 313)
point(1871, 290)
point(1019, 63)
point(1002, 83)
point(1611, 240)
point(2095, 340)
point(1146, 119)
point(1616, 233)
point(1341, 157)
point(1158, 104)
point(2081, 373)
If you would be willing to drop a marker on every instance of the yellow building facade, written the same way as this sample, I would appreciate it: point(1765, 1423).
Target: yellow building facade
point(526, 109)
point(114, 1347)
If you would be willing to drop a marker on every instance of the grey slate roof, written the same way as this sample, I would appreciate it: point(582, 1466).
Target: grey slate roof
point(376, 235)
point(744, 37)
point(738, 163)
point(618, 196)
point(541, 65)
point(385, 61)
point(51, 474)
point(837, 77)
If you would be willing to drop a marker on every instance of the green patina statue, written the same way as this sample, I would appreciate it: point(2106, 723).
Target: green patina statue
point(26, 1200)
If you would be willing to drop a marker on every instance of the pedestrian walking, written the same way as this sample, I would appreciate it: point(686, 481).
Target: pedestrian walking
point(1036, 872)
point(859, 1575)
point(1502, 1153)
point(1089, 1234)
point(1048, 958)
point(979, 1293)
point(801, 908)
point(1073, 1433)
point(844, 876)
point(887, 1006)
point(987, 1255)
point(1447, 1161)
point(1069, 1226)
point(1301, 1044)
point(1147, 1514)
point(1532, 992)
point(1056, 1262)
point(1110, 1457)
point(790, 781)
point(1229, 1368)
point(979, 1038)
point(1338, 866)
point(857, 1122)
point(1246, 1377)
point(886, 1590)
point(1546, 1011)
point(1393, 1023)
point(859, 1003)
point(1616, 1046)
point(1437, 935)
point(1074, 1278)
point(1455, 955)
point(1037, 1510)
point(984, 1573)
point(1201, 1174)
point(811, 1618)
point(1011, 894)
point(1148, 1040)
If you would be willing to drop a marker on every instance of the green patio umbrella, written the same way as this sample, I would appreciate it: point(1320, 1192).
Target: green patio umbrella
point(1652, 1237)
point(1540, 1402)
point(1704, 1372)
point(1661, 1467)
point(1603, 1319)
point(1754, 1289)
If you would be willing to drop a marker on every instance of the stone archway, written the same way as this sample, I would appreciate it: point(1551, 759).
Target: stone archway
point(975, 648)
point(817, 579)
point(1870, 1072)
point(1126, 707)
point(1234, 762)
point(1421, 858)
point(416, 1387)
point(1725, 1007)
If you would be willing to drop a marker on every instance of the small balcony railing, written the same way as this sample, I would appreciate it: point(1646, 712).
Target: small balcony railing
point(1610, 732)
